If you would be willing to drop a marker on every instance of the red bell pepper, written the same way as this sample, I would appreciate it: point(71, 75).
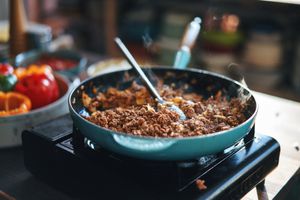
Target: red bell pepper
point(6, 69)
point(40, 86)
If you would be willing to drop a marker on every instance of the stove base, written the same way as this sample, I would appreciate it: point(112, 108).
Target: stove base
point(51, 154)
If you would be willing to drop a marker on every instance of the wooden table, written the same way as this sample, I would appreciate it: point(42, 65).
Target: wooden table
point(279, 118)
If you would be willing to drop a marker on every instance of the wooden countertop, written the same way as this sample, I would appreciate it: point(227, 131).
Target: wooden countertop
point(279, 118)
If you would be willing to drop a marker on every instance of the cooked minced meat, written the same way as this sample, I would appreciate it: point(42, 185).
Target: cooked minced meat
point(134, 111)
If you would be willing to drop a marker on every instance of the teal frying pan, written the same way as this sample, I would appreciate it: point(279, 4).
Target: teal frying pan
point(200, 81)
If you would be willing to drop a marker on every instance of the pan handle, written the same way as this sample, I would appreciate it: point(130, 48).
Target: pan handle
point(142, 145)
point(190, 35)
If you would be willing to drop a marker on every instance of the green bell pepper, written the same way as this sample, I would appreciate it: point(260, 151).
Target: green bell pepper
point(7, 82)
point(7, 78)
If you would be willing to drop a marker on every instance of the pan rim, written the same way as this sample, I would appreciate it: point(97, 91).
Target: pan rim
point(214, 134)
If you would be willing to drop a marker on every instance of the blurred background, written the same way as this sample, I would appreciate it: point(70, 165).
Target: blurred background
point(259, 38)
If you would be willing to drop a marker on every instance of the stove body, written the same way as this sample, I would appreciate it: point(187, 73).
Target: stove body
point(57, 153)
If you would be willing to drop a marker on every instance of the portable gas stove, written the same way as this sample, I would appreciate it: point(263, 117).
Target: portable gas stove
point(57, 153)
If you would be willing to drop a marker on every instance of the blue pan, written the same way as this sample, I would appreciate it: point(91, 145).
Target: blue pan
point(203, 82)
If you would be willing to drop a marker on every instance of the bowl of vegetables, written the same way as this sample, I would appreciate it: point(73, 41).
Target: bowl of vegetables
point(29, 96)
point(64, 61)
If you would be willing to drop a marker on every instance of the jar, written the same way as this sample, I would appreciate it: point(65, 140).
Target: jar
point(263, 50)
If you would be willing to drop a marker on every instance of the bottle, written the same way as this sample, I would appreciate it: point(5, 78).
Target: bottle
point(17, 28)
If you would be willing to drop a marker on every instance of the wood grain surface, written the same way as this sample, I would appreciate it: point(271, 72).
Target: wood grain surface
point(279, 118)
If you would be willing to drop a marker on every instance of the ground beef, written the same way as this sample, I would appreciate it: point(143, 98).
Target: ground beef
point(135, 112)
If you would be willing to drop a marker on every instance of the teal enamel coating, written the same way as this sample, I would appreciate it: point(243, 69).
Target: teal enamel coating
point(164, 148)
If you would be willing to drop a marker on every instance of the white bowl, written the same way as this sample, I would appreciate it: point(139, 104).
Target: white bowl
point(107, 66)
point(11, 127)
